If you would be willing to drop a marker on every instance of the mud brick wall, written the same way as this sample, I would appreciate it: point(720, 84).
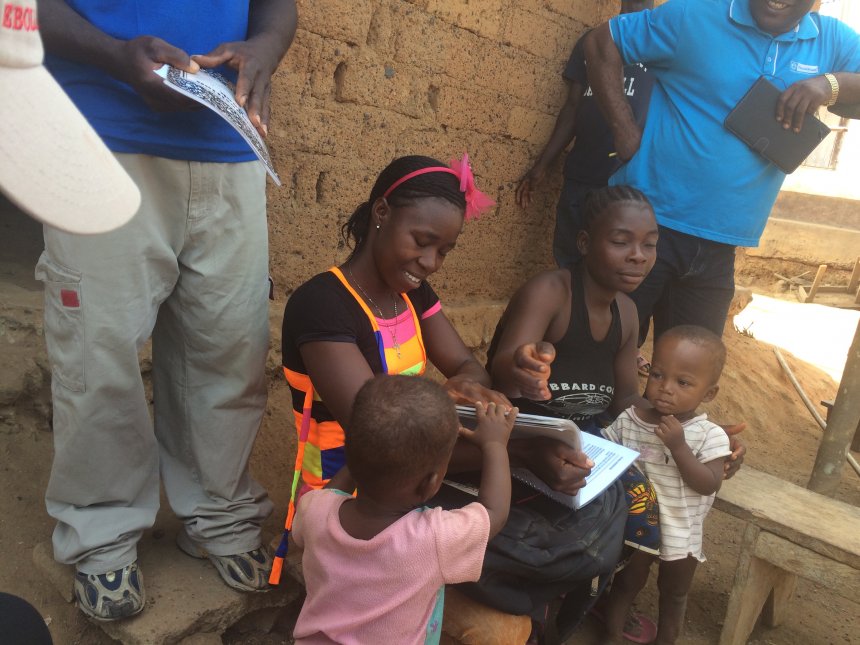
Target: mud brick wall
point(369, 80)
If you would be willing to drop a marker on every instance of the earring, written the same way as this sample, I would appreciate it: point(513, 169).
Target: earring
point(377, 227)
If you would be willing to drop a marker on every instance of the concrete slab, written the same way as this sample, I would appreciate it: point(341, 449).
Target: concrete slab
point(185, 597)
point(810, 243)
point(817, 209)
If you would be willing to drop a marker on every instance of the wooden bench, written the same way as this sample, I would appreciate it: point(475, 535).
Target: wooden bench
point(790, 532)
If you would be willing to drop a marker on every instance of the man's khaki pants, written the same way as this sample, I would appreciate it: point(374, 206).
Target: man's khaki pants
point(189, 270)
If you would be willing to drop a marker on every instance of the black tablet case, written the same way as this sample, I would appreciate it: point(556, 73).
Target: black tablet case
point(754, 121)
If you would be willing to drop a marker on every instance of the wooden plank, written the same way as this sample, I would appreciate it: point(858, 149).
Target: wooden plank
point(801, 294)
point(841, 428)
point(841, 300)
point(854, 282)
point(776, 608)
point(838, 578)
point(816, 284)
point(823, 525)
point(754, 580)
point(855, 443)
point(795, 281)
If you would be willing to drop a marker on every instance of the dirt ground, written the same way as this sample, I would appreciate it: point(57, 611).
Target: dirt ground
point(782, 439)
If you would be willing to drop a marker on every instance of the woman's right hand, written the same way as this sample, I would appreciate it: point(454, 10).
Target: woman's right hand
point(465, 390)
point(560, 466)
point(531, 369)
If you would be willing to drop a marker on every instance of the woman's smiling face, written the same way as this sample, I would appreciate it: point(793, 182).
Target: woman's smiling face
point(413, 240)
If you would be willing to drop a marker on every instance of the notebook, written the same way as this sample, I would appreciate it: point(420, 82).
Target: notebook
point(610, 459)
point(531, 425)
point(754, 122)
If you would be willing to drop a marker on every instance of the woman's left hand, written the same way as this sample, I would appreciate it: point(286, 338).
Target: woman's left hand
point(463, 389)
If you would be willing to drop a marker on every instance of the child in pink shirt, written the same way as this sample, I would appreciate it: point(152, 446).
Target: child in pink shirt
point(376, 565)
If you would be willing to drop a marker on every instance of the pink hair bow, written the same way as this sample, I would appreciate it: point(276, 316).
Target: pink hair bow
point(476, 201)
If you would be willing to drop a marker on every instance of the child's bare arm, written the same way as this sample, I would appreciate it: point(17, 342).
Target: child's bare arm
point(491, 435)
point(702, 478)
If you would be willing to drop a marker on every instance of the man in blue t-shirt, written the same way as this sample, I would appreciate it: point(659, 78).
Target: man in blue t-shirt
point(710, 191)
point(189, 270)
point(590, 162)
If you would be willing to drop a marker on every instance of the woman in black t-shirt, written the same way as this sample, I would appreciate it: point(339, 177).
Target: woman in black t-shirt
point(375, 313)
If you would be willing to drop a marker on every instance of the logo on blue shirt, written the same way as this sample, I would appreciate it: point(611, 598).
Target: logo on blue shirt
point(803, 68)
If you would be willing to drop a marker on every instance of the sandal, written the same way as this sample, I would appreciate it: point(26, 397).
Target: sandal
point(638, 628)
point(642, 365)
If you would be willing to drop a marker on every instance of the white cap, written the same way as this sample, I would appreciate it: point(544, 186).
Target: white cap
point(52, 163)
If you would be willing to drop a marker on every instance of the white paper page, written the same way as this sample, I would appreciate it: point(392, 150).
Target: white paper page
point(610, 461)
point(213, 90)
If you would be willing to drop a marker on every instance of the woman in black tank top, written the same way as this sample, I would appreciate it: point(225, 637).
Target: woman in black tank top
point(566, 345)
point(582, 377)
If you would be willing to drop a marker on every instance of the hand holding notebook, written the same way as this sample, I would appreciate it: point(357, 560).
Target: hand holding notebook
point(754, 122)
point(610, 459)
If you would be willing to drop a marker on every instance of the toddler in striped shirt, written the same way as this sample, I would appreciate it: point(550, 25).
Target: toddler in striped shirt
point(682, 454)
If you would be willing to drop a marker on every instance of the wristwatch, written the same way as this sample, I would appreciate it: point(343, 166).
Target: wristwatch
point(834, 89)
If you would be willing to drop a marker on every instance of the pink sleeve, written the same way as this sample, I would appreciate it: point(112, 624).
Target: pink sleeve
point(461, 540)
point(305, 508)
point(432, 310)
point(296, 530)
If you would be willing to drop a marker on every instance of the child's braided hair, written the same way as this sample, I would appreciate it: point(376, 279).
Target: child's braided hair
point(599, 200)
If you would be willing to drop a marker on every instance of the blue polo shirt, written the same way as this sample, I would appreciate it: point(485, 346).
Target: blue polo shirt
point(118, 113)
point(705, 55)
